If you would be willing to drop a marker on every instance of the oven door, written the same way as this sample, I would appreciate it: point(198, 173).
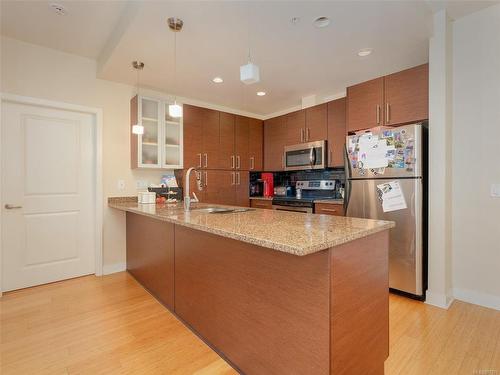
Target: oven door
point(305, 156)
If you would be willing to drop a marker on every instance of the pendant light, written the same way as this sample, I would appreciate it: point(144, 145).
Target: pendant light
point(138, 128)
point(175, 24)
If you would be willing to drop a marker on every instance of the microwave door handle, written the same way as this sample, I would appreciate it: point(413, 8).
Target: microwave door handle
point(311, 156)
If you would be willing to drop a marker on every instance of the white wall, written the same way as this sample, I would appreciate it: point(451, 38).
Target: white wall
point(439, 292)
point(476, 157)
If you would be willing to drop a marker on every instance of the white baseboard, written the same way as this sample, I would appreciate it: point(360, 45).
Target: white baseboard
point(477, 298)
point(438, 299)
point(108, 269)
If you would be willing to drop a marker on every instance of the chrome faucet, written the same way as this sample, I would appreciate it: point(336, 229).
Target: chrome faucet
point(187, 198)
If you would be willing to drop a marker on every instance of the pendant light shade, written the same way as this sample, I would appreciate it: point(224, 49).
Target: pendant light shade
point(175, 24)
point(138, 128)
point(175, 110)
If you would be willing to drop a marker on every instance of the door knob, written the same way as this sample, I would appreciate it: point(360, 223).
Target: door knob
point(12, 207)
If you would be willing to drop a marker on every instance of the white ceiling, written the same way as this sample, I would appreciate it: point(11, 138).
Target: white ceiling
point(296, 60)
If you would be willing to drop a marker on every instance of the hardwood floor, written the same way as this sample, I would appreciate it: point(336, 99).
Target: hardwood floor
point(111, 325)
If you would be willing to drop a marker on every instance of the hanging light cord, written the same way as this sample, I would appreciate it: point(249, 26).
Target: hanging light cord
point(175, 66)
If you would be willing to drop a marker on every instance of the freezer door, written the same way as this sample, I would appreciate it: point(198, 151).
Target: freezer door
point(403, 160)
point(405, 240)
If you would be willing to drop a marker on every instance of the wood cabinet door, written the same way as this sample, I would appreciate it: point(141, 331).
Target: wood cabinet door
point(242, 187)
point(329, 209)
point(407, 96)
point(219, 186)
point(226, 150)
point(211, 138)
point(261, 203)
point(316, 123)
point(295, 127)
point(193, 135)
point(336, 132)
point(365, 105)
point(255, 144)
point(274, 143)
point(241, 143)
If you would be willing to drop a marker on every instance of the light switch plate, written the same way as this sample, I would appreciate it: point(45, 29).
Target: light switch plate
point(495, 190)
point(121, 185)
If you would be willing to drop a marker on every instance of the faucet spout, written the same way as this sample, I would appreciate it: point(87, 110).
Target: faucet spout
point(187, 198)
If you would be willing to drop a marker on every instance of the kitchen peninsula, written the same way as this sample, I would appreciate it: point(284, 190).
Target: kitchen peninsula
point(272, 292)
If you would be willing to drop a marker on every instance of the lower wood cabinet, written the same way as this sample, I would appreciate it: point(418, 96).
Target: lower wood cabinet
point(329, 209)
point(150, 255)
point(261, 203)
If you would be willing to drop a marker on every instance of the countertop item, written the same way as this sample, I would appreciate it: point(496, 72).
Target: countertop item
point(289, 232)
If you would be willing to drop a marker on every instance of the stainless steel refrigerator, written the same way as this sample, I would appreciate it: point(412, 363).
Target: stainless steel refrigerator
point(386, 180)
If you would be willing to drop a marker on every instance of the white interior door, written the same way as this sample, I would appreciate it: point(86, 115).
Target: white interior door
point(48, 195)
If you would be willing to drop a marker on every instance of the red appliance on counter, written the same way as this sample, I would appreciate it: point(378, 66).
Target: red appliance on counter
point(268, 184)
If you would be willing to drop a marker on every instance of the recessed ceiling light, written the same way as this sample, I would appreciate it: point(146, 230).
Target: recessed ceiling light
point(321, 22)
point(58, 9)
point(217, 80)
point(364, 52)
point(261, 93)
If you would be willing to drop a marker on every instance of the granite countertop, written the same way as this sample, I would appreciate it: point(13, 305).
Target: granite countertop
point(290, 232)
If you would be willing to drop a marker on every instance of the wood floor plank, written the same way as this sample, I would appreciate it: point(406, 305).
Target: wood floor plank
point(111, 325)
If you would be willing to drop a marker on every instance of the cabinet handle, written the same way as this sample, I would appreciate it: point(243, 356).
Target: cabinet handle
point(387, 112)
point(206, 179)
point(232, 161)
point(238, 162)
point(308, 135)
point(252, 163)
point(238, 181)
point(301, 135)
point(199, 158)
point(378, 114)
point(206, 160)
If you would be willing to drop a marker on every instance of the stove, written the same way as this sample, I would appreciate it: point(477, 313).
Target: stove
point(309, 192)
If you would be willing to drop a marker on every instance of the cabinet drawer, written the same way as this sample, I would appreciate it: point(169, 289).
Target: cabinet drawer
point(329, 209)
point(261, 203)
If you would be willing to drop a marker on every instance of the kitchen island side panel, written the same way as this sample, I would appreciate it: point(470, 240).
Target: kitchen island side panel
point(360, 305)
point(150, 255)
point(267, 312)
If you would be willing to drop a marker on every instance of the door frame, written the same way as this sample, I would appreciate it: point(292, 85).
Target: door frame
point(98, 189)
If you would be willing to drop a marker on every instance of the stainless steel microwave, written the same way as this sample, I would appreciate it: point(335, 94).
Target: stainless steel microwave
point(311, 155)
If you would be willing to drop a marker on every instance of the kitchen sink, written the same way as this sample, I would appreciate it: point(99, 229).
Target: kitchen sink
point(221, 210)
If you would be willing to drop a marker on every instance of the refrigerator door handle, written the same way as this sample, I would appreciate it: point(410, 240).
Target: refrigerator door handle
point(347, 188)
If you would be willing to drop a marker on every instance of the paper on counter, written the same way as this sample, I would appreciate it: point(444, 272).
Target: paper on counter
point(392, 196)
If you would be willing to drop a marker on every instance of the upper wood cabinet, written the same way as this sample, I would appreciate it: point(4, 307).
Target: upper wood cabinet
point(395, 99)
point(365, 105)
point(161, 144)
point(202, 133)
point(295, 127)
point(255, 144)
point(336, 132)
point(242, 143)
point(307, 125)
point(275, 139)
point(407, 96)
point(226, 146)
point(316, 123)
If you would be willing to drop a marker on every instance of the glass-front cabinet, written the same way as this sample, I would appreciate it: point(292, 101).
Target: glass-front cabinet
point(160, 145)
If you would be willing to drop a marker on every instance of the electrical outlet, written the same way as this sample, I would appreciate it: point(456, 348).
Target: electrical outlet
point(141, 184)
point(495, 190)
point(121, 185)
